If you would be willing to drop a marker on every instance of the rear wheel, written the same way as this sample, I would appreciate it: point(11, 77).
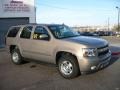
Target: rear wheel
point(16, 56)
point(68, 66)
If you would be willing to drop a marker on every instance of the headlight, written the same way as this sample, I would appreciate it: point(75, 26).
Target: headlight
point(88, 52)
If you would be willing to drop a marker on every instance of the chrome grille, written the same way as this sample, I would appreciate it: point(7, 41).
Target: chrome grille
point(103, 50)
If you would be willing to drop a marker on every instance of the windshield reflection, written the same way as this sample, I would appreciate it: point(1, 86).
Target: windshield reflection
point(62, 31)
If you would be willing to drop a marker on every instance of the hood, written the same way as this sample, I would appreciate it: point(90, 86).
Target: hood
point(88, 41)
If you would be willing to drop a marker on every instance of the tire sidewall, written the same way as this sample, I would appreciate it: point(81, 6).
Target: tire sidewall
point(74, 63)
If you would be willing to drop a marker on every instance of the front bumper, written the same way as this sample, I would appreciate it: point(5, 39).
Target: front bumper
point(94, 63)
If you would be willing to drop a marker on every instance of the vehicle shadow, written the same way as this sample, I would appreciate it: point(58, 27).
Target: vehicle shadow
point(37, 62)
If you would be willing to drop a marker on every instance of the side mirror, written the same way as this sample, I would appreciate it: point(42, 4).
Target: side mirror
point(44, 37)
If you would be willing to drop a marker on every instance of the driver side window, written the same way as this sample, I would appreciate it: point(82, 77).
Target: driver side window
point(40, 33)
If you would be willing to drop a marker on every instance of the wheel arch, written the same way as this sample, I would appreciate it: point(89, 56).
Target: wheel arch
point(60, 53)
point(12, 47)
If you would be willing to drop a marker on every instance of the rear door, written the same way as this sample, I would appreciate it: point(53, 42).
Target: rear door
point(25, 41)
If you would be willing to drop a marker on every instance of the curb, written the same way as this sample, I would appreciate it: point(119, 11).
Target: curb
point(116, 53)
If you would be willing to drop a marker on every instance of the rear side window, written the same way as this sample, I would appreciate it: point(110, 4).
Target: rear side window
point(26, 32)
point(13, 32)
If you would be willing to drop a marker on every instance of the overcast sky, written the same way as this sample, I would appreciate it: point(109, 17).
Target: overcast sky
point(77, 12)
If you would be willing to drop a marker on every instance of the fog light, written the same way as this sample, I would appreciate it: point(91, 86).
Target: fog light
point(93, 67)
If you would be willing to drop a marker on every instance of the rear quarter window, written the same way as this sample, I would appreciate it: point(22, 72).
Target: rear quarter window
point(13, 32)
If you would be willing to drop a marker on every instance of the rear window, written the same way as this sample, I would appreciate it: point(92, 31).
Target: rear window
point(26, 32)
point(13, 32)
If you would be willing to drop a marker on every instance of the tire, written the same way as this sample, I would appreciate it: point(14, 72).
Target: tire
point(68, 66)
point(16, 57)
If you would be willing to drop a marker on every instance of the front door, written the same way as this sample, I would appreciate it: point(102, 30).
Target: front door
point(42, 46)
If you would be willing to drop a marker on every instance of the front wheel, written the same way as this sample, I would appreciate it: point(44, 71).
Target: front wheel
point(68, 66)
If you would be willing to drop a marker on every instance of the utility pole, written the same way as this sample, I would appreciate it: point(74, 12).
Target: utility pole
point(35, 11)
point(108, 23)
point(118, 18)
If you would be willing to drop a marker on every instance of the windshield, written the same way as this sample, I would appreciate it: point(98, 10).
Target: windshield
point(62, 31)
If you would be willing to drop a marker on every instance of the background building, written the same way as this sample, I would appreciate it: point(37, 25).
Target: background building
point(15, 12)
point(92, 28)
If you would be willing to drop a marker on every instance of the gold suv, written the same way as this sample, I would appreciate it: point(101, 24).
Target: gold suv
point(58, 44)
